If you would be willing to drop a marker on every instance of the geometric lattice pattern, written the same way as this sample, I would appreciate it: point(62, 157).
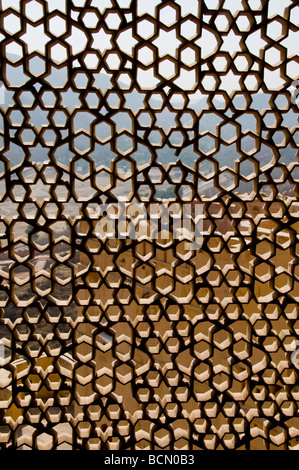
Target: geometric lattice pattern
point(124, 344)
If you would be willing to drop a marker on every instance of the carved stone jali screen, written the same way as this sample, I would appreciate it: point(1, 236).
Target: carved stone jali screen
point(115, 342)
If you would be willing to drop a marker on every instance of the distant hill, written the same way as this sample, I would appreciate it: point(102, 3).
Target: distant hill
point(209, 119)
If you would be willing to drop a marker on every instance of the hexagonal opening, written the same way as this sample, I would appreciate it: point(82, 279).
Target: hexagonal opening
point(90, 19)
point(12, 23)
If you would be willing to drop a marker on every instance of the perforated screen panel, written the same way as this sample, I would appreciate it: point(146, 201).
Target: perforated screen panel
point(121, 328)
